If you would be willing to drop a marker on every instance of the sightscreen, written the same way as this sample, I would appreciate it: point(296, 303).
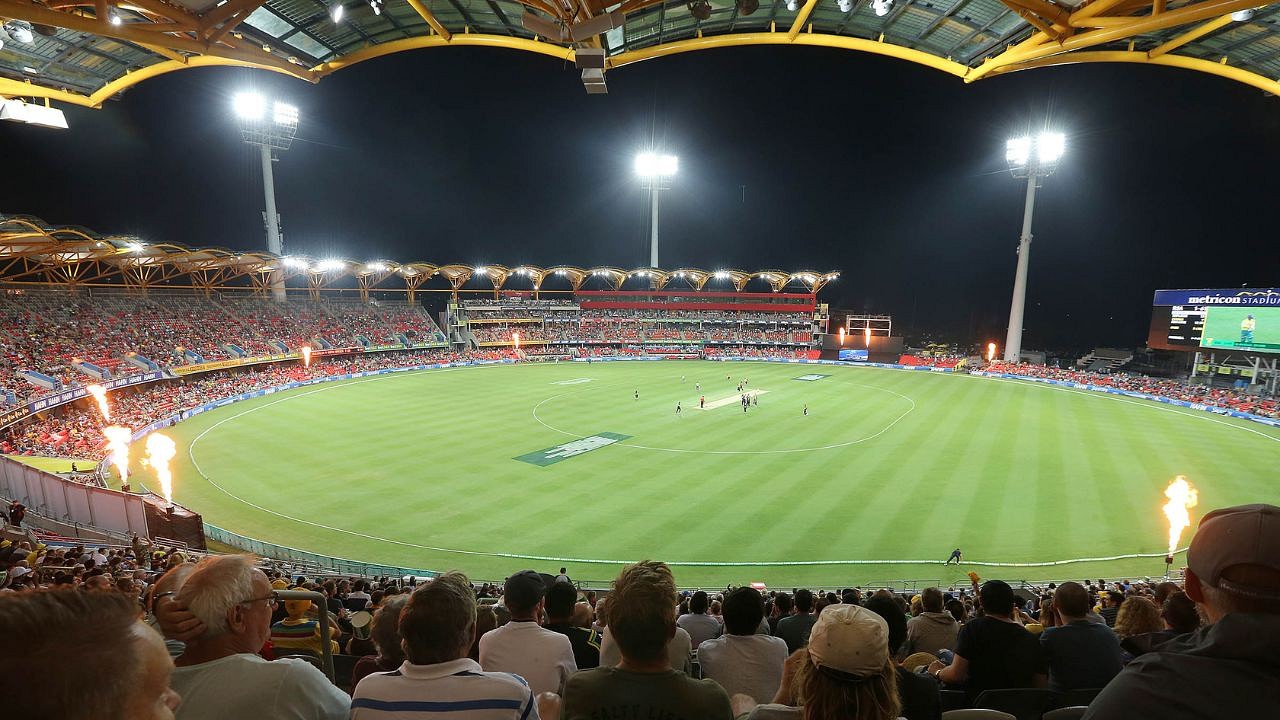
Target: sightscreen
point(1242, 328)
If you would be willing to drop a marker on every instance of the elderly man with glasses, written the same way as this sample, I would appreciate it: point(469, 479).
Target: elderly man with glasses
point(220, 675)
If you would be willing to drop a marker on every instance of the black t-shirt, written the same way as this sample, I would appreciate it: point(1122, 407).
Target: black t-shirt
point(1000, 654)
point(585, 642)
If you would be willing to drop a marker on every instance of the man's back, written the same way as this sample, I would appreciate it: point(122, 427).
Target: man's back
point(1081, 654)
point(1001, 655)
point(458, 690)
point(1228, 670)
point(609, 692)
point(244, 685)
point(795, 630)
point(931, 632)
point(748, 664)
point(542, 657)
point(700, 626)
point(678, 649)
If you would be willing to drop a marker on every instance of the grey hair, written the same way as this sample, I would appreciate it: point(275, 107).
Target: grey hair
point(218, 584)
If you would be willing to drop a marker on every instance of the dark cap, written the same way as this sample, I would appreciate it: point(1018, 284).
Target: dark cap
point(523, 590)
point(1240, 535)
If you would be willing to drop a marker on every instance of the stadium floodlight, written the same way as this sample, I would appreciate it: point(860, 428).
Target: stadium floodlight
point(270, 131)
point(844, 5)
point(655, 169)
point(114, 17)
point(134, 246)
point(328, 265)
point(294, 262)
point(19, 30)
point(337, 11)
point(1032, 158)
point(482, 270)
point(375, 267)
point(881, 7)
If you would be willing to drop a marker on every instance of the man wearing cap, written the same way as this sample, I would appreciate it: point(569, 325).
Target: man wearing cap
point(994, 652)
point(542, 657)
point(1229, 669)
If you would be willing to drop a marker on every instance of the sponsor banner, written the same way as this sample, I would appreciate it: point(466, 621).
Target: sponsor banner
point(853, 354)
point(215, 365)
point(17, 414)
point(811, 377)
point(1228, 412)
point(555, 454)
point(805, 361)
point(1242, 297)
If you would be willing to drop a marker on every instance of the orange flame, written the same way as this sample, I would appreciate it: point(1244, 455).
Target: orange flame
point(991, 351)
point(1182, 497)
point(160, 450)
point(118, 439)
point(306, 356)
point(99, 393)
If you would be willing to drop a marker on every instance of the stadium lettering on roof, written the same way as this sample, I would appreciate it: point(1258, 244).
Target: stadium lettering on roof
point(1257, 297)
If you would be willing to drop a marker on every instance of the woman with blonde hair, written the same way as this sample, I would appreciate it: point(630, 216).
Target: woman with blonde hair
point(846, 672)
point(1138, 615)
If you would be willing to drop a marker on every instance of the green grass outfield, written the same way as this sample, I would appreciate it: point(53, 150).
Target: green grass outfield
point(54, 465)
point(411, 468)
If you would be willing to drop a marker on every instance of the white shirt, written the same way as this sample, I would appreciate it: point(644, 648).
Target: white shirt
point(457, 688)
point(678, 649)
point(700, 626)
point(542, 657)
point(748, 664)
point(246, 686)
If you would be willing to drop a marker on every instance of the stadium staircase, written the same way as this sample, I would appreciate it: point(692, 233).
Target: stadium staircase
point(1104, 360)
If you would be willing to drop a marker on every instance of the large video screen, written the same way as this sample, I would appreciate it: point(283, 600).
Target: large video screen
point(1242, 328)
point(853, 354)
point(1178, 318)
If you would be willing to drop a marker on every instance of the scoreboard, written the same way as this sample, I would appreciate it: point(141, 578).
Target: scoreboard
point(1236, 319)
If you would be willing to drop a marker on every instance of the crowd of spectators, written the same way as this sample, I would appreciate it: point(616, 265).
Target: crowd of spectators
point(542, 648)
point(75, 429)
point(47, 331)
point(1173, 389)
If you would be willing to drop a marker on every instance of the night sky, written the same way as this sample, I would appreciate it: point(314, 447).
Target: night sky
point(791, 158)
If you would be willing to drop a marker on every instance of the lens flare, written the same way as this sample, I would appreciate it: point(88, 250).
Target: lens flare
point(160, 450)
point(118, 439)
point(306, 356)
point(99, 393)
point(1182, 497)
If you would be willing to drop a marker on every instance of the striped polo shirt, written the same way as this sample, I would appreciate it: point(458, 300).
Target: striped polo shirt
point(457, 690)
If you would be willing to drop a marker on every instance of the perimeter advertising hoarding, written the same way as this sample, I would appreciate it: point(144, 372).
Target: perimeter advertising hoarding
point(1178, 318)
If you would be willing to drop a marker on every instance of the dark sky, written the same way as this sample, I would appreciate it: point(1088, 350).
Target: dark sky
point(793, 158)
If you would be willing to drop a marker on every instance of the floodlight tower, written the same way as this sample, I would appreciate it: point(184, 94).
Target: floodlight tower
point(655, 171)
point(1031, 158)
point(271, 127)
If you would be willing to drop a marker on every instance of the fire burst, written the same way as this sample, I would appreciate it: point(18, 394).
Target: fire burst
point(99, 393)
point(1182, 497)
point(306, 356)
point(118, 439)
point(160, 450)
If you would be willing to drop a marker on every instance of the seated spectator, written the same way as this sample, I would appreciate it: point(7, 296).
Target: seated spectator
point(1180, 617)
point(299, 632)
point(1109, 606)
point(1080, 654)
point(742, 661)
point(386, 638)
point(1229, 668)
point(1137, 616)
point(918, 694)
point(643, 620)
point(932, 630)
point(81, 656)
point(233, 601)
point(561, 603)
point(523, 647)
point(700, 626)
point(486, 620)
point(992, 651)
point(679, 648)
point(781, 608)
point(795, 628)
point(437, 679)
point(845, 671)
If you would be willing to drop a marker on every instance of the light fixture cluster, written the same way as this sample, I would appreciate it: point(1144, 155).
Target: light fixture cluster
point(881, 7)
point(376, 6)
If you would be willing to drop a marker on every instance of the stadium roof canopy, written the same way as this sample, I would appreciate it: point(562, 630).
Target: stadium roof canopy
point(34, 252)
point(88, 51)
